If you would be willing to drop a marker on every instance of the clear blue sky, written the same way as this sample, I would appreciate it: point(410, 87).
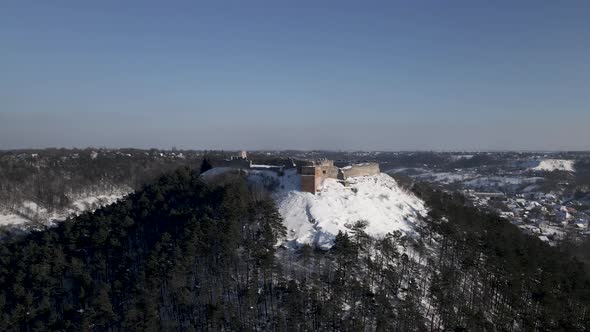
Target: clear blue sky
point(389, 75)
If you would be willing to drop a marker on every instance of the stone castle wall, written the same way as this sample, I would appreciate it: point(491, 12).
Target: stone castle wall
point(312, 176)
point(360, 170)
point(312, 173)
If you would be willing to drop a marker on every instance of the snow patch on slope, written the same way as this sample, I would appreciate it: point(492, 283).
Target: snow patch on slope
point(317, 219)
point(29, 211)
point(549, 165)
point(9, 219)
point(214, 172)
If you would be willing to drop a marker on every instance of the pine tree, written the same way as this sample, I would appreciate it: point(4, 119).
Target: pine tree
point(205, 165)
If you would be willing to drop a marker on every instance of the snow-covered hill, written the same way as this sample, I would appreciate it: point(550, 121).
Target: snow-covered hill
point(549, 165)
point(317, 219)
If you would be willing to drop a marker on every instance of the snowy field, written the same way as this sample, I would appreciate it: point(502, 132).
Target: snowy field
point(470, 179)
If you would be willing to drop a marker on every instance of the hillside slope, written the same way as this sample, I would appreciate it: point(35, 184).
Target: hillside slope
point(24, 213)
point(311, 219)
point(43, 186)
point(317, 219)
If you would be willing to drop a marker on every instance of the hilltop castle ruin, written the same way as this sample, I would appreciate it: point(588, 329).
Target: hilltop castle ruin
point(313, 173)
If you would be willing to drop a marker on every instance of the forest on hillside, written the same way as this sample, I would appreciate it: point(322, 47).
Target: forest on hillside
point(53, 178)
point(183, 255)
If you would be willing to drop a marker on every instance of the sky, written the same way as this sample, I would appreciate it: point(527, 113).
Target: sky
point(340, 75)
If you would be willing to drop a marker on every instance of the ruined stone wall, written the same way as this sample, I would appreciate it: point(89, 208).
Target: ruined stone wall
point(359, 170)
point(314, 174)
point(328, 172)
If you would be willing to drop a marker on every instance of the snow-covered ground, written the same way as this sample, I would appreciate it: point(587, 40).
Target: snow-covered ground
point(317, 219)
point(501, 182)
point(447, 177)
point(91, 203)
point(7, 218)
point(549, 165)
point(31, 211)
point(471, 179)
point(212, 173)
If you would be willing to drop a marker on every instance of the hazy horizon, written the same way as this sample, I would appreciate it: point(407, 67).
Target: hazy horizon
point(175, 148)
point(340, 75)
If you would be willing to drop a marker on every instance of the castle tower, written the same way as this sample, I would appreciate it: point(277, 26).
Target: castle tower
point(311, 177)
